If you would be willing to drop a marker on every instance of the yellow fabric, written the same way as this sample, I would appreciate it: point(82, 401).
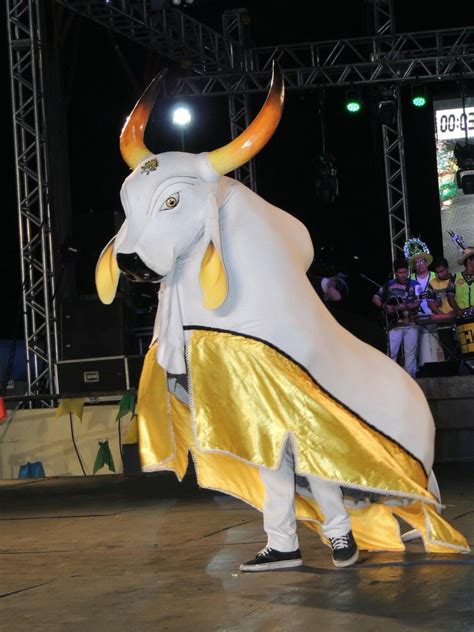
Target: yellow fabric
point(438, 535)
point(71, 405)
point(132, 433)
point(166, 439)
point(439, 286)
point(213, 278)
point(331, 441)
point(155, 433)
point(107, 275)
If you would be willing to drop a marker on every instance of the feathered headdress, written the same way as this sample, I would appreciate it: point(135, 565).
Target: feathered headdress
point(414, 247)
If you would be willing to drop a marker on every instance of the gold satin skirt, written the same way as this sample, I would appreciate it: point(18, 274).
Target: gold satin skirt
point(231, 433)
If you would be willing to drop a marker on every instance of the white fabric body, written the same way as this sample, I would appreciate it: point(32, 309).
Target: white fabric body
point(266, 253)
point(279, 520)
point(409, 337)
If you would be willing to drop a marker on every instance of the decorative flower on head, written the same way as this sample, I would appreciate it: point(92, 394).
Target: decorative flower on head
point(413, 248)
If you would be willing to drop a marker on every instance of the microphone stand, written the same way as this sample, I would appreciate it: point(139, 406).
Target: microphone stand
point(387, 338)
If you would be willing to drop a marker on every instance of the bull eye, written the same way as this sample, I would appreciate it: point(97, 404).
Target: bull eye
point(170, 202)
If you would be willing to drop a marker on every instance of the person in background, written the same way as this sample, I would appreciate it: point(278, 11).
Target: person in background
point(329, 290)
point(461, 289)
point(438, 301)
point(439, 304)
point(398, 298)
point(419, 258)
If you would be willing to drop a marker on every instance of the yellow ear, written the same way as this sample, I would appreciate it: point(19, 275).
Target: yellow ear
point(107, 274)
point(213, 278)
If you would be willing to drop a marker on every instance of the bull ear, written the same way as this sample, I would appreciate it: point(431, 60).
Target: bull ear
point(213, 278)
point(107, 274)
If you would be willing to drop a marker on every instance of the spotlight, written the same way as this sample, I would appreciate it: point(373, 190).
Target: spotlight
point(464, 155)
point(181, 116)
point(388, 112)
point(327, 186)
point(418, 96)
point(353, 103)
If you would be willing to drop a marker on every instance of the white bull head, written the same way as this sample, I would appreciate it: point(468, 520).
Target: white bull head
point(170, 202)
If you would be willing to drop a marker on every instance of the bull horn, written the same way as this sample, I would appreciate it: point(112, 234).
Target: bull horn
point(132, 146)
point(258, 133)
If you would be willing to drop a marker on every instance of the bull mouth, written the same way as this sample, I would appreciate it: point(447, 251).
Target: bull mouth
point(145, 277)
point(133, 268)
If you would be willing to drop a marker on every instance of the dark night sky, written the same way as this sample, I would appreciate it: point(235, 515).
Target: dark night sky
point(103, 76)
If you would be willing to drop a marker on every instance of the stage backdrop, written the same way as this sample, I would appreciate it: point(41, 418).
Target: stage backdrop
point(457, 208)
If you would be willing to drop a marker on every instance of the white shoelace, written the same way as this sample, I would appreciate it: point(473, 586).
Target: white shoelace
point(340, 543)
point(264, 551)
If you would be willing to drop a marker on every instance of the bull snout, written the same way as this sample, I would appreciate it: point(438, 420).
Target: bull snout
point(135, 270)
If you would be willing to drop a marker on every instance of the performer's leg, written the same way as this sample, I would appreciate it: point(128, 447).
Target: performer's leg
point(279, 520)
point(410, 343)
point(337, 524)
point(328, 495)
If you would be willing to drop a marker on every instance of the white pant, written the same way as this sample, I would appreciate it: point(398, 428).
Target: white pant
point(409, 335)
point(279, 520)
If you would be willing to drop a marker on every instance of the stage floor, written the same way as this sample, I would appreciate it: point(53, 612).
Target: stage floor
point(146, 553)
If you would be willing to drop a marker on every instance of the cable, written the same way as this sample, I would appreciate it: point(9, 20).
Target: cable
point(74, 443)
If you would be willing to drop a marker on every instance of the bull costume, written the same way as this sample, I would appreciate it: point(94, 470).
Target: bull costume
point(274, 385)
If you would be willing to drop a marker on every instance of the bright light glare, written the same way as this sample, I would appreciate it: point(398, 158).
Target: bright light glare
point(353, 106)
point(419, 101)
point(181, 116)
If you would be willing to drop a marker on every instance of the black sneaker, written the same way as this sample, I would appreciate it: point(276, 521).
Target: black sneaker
point(344, 550)
point(268, 559)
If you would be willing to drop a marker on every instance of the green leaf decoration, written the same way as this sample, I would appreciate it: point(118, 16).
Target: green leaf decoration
point(414, 246)
point(104, 457)
point(126, 405)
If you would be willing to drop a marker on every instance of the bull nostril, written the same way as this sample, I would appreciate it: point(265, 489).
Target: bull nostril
point(135, 270)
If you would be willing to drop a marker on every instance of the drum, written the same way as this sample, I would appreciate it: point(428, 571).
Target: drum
point(465, 335)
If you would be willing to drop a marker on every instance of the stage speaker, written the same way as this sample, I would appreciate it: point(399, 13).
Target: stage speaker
point(90, 329)
point(438, 369)
point(99, 375)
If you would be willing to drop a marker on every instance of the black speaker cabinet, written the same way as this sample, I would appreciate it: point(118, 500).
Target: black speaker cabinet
point(439, 369)
point(98, 375)
point(90, 329)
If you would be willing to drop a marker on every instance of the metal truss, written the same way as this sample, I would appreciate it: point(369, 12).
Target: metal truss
point(395, 179)
point(169, 32)
point(239, 107)
point(223, 65)
point(393, 144)
point(393, 58)
point(31, 166)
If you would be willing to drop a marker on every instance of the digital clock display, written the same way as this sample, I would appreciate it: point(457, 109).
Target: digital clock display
point(453, 123)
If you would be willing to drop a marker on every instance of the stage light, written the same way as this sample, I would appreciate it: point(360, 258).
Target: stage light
point(353, 103)
point(418, 96)
point(387, 107)
point(181, 116)
point(327, 186)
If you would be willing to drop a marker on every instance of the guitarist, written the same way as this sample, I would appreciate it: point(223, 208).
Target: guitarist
point(399, 302)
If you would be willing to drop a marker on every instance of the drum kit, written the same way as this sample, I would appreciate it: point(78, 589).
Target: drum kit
point(465, 335)
point(462, 327)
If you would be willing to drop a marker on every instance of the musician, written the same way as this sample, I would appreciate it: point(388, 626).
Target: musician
point(461, 289)
point(439, 304)
point(438, 301)
point(429, 348)
point(399, 301)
